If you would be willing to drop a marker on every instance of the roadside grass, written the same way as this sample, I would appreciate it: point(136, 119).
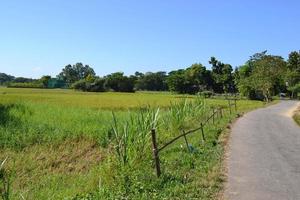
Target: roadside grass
point(63, 144)
point(296, 116)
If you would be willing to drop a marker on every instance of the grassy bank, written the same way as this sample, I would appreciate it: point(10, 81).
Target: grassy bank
point(65, 144)
point(296, 116)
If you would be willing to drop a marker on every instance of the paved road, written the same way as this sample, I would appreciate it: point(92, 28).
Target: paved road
point(264, 156)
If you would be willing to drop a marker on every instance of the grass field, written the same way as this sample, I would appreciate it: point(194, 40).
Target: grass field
point(62, 144)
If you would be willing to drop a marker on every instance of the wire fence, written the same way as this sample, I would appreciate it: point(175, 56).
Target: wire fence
point(217, 113)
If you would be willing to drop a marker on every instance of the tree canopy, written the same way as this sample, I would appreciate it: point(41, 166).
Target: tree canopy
point(261, 77)
point(72, 73)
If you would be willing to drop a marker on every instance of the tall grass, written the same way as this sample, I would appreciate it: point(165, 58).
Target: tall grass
point(182, 115)
point(132, 135)
point(33, 119)
point(4, 182)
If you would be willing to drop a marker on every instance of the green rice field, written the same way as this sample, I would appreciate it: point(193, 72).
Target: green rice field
point(64, 144)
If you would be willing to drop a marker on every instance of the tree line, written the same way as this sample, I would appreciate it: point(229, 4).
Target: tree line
point(261, 77)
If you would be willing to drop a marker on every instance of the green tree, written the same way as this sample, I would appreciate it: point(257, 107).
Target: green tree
point(176, 81)
point(196, 78)
point(191, 80)
point(44, 80)
point(295, 89)
point(262, 74)
point(243, 80)
point(151, 81)
point(5, 78)
point(119, 83)
point(222, 75)
point(293, 72)
point(294, 61)
point(70, 74)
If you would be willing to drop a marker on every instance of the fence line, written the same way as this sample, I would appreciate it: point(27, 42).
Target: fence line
point(156, 150)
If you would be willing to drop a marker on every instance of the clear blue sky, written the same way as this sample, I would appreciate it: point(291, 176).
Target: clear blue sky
point(40, 37)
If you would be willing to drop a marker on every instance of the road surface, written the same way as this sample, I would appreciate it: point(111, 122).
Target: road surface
point(264, 155)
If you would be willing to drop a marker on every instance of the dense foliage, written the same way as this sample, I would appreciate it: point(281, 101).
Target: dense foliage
point(261, 77)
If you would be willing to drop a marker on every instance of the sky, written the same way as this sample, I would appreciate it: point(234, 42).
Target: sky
point(41, 37)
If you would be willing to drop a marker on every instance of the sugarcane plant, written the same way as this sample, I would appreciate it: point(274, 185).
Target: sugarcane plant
point(132, 136)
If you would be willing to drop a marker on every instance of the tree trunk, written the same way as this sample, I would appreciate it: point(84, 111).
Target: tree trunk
point(266, 96)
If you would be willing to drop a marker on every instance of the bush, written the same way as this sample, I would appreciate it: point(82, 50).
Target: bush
point(80, 85)
point(26, 85)
point(119, 83)
point(84, 85)
point(206, 94)
point(294, 90)
point(97, 85)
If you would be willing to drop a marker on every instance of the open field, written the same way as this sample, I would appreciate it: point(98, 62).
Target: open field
point(65, 144)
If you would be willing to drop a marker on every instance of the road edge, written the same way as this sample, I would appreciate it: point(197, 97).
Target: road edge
point(224, 139)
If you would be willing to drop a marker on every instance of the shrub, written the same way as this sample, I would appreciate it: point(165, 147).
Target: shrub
point(294, 90)
point(206, 94)
point(26, 85)
point(97, 85)
point(84, 85)
point(80, 85)
point(119, 83)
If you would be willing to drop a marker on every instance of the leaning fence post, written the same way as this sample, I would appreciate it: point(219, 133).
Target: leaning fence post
point(213, 116)
point(186, 141)
point(221, 112)
point(155, 153)
point(202, 132)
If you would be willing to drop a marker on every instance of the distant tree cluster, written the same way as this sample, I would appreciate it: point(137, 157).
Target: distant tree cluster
point(4, 78)
point(265, 75)
point(261, 77)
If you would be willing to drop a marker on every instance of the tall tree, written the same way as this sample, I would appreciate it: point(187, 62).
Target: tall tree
point(294, 61)
point(196, 78)
point(70, 74)
point(262, 74)
point(5, 78)
point(176, 81)
point(293, 72)
point(222, 75)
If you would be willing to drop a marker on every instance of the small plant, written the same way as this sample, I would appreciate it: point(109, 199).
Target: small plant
point(4, 182)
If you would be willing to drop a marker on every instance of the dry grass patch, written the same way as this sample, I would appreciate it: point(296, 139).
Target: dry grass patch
point(33, 166)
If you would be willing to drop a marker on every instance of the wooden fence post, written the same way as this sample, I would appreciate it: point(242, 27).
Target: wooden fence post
point(155, 153)
point(202, 132)
point(229, 104)
point(213, 116)
point(186, 141)
point(235, 107)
